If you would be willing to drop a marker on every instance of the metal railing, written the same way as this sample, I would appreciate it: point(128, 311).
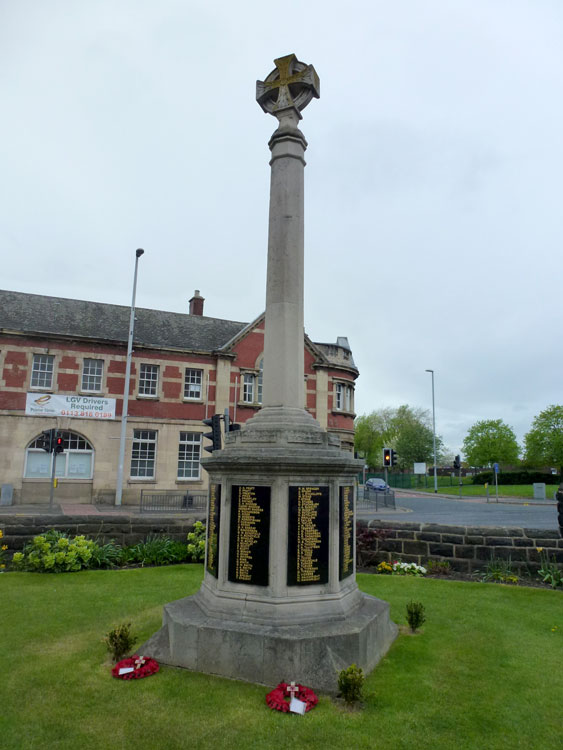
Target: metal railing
point(369, 499)
point(172, 501)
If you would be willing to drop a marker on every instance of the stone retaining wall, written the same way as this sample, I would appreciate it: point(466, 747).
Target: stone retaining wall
point(122, 529)
point(466, 548)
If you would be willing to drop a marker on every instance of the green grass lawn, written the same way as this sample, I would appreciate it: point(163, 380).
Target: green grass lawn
point(484, 673)
point(478, 490)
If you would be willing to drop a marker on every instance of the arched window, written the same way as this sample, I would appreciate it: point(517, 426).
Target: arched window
point(76, 461)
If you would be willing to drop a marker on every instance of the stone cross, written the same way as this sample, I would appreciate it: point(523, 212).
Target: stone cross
point(291, 85)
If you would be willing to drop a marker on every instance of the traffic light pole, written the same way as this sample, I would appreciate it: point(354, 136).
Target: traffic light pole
point(53, 466)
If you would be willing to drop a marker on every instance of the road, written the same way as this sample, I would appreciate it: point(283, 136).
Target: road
point(477, 512)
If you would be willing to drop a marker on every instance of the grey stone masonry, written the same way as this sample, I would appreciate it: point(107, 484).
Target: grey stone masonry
point(466, 548)
point(124, 530)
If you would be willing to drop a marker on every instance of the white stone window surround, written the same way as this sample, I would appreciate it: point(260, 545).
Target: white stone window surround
point(149, 381)
point(42, 372)
point(343, 397)
point(251, 385)
point(75, 463)
point(193, 384)
point(92, 375)
point(189, 455)
point(143, 455)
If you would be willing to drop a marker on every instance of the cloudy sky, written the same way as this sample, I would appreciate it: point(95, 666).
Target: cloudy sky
point(433, 179)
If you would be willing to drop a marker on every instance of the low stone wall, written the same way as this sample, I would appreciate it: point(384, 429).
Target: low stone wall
point(466, 548)
point(122, 529)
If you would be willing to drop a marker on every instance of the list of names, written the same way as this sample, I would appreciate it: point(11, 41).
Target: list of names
point(308, 535)
point(346, 529)
point(249, 537)
point(213, 528)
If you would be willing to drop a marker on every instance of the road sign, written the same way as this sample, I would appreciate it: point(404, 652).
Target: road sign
point(495, 467)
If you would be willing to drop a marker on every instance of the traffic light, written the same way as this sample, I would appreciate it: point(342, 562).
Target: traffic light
point(215, 435)
point(58, 446)
point(457, 463)
point(387, 453)
point(393, 458)
point(44, 440)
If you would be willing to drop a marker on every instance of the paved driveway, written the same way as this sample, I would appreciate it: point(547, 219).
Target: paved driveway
point(428, 509)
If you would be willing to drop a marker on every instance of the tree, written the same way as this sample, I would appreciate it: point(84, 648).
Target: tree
point(406, 429)
point(490, 441)
point(544, 442)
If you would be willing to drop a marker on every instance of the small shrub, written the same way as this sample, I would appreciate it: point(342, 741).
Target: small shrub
point(156, 549)
point(3, 549)
point(498, 570)
point(55, 552)
point(351, 684)
point(385, 567)
point(407, 569)
point(106, 555)
point(439, 567)
point(120, 641)
point(180, 552)
point(196, 542)
point(550, 572)
point(368, 538)
point(415, 615)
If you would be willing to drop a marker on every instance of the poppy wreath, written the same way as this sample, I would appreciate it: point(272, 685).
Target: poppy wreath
point(143, 666)
point(278, 699)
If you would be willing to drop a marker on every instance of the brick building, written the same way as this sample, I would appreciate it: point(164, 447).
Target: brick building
point(62, 365)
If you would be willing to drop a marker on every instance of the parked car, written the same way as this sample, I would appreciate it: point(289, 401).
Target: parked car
point(378, 485)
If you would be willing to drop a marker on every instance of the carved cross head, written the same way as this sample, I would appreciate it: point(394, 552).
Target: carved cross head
point(291, 86)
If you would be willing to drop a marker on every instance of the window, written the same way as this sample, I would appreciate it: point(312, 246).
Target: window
point(339, 396)
point(42, 371)
point(92, 371)
point(143, 454)
point(192, 383)
point(252, 386)
point(343, 397)
point(148, 380)
point(248, 388)
point(76, 462)
point(189, 453)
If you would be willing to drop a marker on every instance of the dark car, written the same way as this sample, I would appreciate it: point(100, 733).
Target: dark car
point(378, 485)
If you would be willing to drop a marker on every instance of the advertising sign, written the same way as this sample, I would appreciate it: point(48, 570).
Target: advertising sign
point(81, 407)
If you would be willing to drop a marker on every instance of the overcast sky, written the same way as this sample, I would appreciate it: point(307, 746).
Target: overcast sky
point(433, 183)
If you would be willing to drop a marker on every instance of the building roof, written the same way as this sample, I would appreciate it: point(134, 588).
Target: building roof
point(71, 318)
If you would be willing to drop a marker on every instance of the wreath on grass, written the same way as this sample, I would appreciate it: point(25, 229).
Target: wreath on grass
point(278, 699)
point(143, 666)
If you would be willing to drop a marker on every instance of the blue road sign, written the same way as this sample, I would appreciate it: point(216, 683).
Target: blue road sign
point(495, 467)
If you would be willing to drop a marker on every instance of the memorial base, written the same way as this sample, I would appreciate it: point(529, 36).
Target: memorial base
point(312, 655)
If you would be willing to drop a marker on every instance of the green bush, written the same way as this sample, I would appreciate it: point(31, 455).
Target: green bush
point(498, 570)
point(415, 615)
point(351, 684)
point(196, 542)
point(120, 641)
point(515, 477)
point(550, 572)
point(156, 549)
point(55, 552)
point(106, 555)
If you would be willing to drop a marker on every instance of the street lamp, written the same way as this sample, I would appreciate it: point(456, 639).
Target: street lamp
point(119, 483)
point(434, 433)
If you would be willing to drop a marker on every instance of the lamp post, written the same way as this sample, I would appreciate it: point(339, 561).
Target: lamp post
point(119, 483)
point(434, 434)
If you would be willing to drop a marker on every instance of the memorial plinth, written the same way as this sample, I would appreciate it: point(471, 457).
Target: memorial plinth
point(279, 598)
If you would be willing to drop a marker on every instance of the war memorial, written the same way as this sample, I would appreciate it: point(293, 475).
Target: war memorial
point(279, 598)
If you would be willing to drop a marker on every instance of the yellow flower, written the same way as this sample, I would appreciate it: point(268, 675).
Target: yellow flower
point(4, 546)
point(539, 549)
point(2, 565)
point(1, 534)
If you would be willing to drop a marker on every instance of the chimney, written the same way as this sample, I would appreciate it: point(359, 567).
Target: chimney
point(196, 303)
